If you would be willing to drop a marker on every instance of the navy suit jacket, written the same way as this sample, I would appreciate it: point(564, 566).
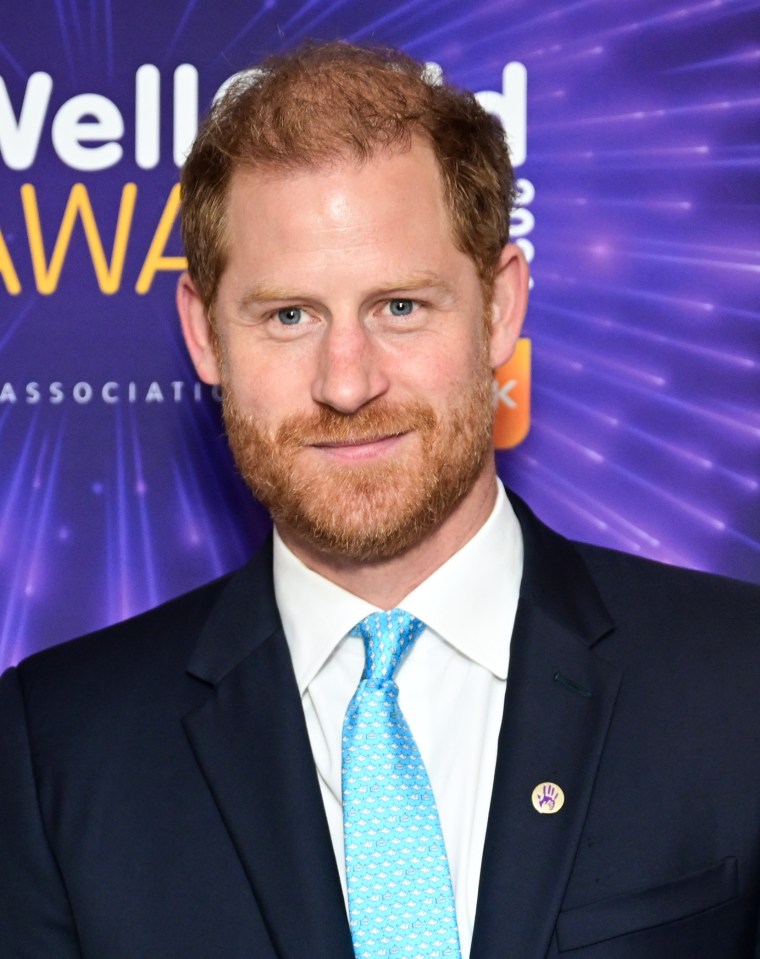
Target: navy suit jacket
point(158, 796)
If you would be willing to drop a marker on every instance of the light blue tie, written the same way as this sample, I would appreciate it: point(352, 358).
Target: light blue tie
point(400, 899)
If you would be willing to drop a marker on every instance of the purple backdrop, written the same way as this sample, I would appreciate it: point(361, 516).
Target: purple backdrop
point(640, 208)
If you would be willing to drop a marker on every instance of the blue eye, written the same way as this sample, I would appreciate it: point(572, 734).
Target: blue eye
point(290, 315)
point(401, 307)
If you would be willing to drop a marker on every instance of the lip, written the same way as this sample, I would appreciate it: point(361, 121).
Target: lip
point(360, 450)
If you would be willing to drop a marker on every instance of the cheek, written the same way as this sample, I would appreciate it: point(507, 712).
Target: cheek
point(453, 367)
point(265, 386)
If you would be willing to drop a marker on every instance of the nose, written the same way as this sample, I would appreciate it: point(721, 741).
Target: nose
point(349, 370)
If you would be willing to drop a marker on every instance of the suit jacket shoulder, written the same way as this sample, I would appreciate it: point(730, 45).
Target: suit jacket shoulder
point(148, 655)
point(704, 602)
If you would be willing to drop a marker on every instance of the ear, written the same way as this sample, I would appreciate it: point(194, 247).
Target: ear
point(510, 301)
point(197, 331)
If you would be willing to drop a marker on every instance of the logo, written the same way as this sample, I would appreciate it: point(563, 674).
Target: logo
point(548, 798)
point(512, 418)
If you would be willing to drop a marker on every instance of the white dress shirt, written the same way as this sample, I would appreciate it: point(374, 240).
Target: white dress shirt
point(451, 685)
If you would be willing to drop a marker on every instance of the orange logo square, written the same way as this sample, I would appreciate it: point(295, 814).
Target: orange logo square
point(512, 419)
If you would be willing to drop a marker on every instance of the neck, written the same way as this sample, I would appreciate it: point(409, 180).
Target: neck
point(384, 583)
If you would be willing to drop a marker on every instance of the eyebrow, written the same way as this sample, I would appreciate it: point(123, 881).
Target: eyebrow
point(407, 283)
point(265, 294)
point(419, 281)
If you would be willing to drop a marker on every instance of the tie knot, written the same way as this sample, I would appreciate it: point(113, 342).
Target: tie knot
point(387, 637)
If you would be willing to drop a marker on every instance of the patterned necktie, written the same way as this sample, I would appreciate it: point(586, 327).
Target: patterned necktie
point(401, 903)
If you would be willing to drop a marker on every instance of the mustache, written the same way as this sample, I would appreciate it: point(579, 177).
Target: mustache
point(328, 426)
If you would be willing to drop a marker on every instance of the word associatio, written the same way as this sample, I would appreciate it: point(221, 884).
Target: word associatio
point(112, 392)
point(87, 133)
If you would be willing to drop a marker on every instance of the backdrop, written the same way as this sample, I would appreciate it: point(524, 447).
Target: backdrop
point(629, 417)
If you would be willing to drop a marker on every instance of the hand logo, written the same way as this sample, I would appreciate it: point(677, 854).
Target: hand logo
point(548, 798)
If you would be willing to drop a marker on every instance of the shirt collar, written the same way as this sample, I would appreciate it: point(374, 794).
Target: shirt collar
point(316, 613)
point(470, 601)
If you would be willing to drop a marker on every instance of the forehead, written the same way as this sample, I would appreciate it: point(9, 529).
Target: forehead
point(393, 195)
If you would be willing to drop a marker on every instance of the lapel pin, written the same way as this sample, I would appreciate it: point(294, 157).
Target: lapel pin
point(548, 798)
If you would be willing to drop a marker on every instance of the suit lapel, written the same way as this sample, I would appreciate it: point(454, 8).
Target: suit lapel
point(559, 701)
point(250, 740)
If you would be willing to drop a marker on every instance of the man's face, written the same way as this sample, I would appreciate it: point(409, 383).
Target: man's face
point(355, 352)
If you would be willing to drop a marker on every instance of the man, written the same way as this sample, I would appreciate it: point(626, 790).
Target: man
point(589, 782)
